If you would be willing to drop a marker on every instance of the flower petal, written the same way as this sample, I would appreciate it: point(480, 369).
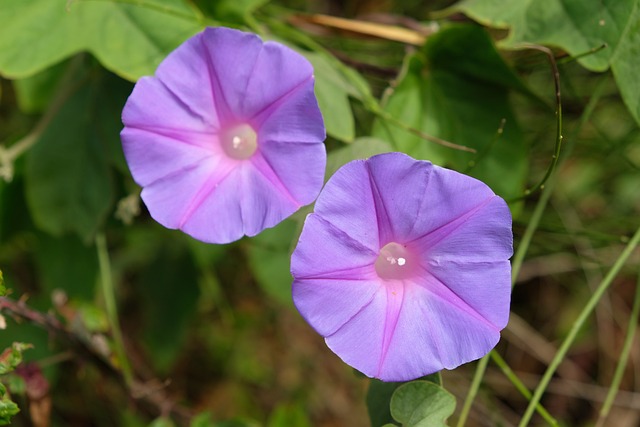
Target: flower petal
point(153, 106)
point(399, 185)
point(327, 304)
point(482, 234)
point(347, 203)
point(432, 334)
point(152, 156)
point(324, 250)
point(243, 203)
point(295, 117)
point(484, 287)
point(172, 199)
point(277, 74)
point(449, 195)
point(298, 167)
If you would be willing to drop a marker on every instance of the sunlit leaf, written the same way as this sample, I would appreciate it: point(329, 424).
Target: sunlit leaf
point(127, 39)
point(576, 26)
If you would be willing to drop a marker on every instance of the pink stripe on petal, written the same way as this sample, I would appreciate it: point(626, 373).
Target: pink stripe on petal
point(323, 250)
point(277, 73)
point(295, 118)
point(347, 203)
point(399, 184)
point(328, 304)
point(168, 199)
point(152, 156)
point(299, 167)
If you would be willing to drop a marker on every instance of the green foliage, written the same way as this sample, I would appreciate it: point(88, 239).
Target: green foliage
point(68, 182)
point(438, 94)
point(422, 404)
point(361, 148)
point(289, 415)
point(268, 255)
point(9, 360)
point(332, 91)
point(131, 39)
point(3, 289)
point(578, 27)
point(7, 408)
point(12, 357)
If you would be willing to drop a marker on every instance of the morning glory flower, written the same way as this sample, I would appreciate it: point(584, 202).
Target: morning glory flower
point(404, 267)
point(227, 138)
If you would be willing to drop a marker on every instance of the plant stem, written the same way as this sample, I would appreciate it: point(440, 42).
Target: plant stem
point(106, 282)
point(577, 325)
point(473, 390)
point(506, 370)
point(624, 357)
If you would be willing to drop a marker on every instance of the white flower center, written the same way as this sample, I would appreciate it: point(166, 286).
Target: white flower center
point(395, 262)
point(239, 142)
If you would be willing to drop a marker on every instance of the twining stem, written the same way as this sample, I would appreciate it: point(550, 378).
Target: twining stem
point(624, 357)
point(559, 137)
point(473, 390)
point(577, 325)
point(108, 291)
point(506, 370)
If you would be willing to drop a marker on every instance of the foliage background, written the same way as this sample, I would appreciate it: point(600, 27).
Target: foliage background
point(211, 330)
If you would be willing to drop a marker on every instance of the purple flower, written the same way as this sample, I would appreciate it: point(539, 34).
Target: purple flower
point(227, 138)
point(404, 267)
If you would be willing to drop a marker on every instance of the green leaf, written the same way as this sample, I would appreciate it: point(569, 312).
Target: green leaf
point(3, 289)
point(361, 148)
point(422, 404)
point(332, 91)
point(7, 409)
point(67, 179)
point(12, 357)
point(269, 256)
point(576, 26)
point(128, 39)
point(34, 93)
point(438, 94)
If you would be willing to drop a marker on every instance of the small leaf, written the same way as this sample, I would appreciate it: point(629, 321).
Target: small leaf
point(422, 404)
point(7, 409)
point(3, 290)
point(12, 357)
